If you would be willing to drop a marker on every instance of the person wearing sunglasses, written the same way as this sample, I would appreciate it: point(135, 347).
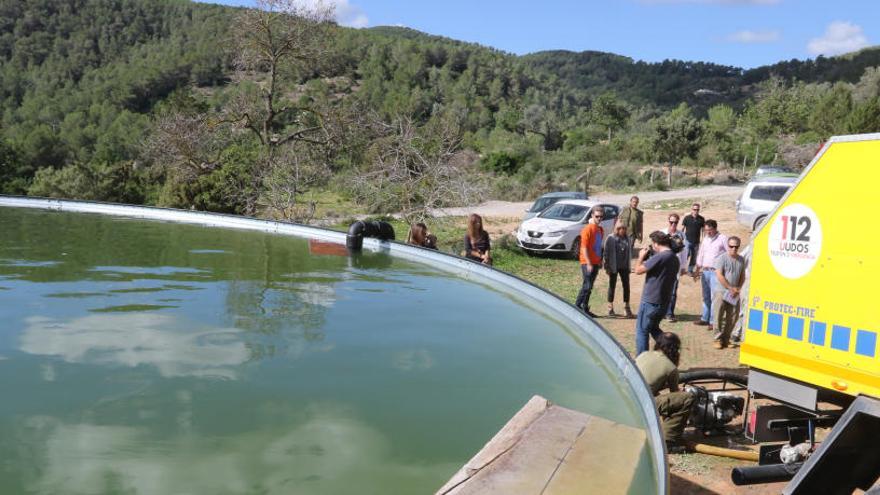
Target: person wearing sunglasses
point(674, 232)
point(693, 224)
point(590, 254)
point(730, 271)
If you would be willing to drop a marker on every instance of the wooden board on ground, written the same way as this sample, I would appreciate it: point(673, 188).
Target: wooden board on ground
point(550, 450)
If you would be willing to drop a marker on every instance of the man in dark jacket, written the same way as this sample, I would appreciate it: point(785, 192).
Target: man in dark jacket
point(660, 266)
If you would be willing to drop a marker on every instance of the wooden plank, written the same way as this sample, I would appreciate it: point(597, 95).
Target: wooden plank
point(502, 442)
point(550, 450)
point(602, 460)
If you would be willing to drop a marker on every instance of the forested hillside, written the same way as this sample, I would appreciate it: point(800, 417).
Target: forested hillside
point(699, 84)
point(78, 79)
point(665, 84)
point(172, 102)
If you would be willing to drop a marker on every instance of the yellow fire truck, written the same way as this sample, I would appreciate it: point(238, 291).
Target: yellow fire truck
point(810, 328)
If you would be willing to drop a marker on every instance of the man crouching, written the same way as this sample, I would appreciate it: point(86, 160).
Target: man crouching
point(660, 369)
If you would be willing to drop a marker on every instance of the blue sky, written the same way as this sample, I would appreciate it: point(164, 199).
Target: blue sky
point(743, 33)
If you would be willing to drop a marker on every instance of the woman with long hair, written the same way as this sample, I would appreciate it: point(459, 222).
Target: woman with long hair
point(617, 254)
point(419, 236)
point(477, 245)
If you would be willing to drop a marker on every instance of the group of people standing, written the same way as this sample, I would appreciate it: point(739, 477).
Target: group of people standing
point(613, 253)
point(692, 245)
point(657, 262)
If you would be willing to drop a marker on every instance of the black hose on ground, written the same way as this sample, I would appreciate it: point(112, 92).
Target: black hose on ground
point(377, 229)
point(772, 473)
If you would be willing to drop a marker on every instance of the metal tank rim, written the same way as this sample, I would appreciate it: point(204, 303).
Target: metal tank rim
point(616, 359)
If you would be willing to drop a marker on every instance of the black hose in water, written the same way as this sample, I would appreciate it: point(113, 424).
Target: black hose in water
point(753, 475)
point(354, 241)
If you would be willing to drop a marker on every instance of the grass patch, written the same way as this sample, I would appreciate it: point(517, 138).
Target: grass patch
point(331, 204)
point(694, 464)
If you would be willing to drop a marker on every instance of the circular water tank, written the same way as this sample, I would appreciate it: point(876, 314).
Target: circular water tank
point(152, 350)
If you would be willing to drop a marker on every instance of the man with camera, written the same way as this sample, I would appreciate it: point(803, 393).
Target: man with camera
point(660, 265)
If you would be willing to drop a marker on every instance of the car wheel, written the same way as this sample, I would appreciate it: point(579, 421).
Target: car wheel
point(575, 249)
point(760, 221)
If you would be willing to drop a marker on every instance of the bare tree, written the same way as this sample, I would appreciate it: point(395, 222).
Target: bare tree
point(287, 179)
point(186, 145)
point(280, 40)
point(414, 171)
point(277, 45)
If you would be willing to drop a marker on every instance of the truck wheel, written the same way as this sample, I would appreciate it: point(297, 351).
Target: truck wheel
point(760, 221)
point(575, 248)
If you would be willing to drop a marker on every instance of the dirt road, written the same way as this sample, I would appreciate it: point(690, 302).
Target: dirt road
point(506, 209)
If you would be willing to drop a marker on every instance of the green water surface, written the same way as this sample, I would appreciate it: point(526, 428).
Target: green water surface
point(142, 357)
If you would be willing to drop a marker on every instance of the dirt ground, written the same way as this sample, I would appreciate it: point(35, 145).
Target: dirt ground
point(690, 473)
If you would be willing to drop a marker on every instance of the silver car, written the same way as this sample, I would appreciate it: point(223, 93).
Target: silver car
point(760, 197)
point(549, 199)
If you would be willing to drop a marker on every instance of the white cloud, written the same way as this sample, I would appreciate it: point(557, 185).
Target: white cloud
point(347, 14)
point(748, 36)
point(351, 15)
point(840, 37)
point(327, 451)
point(134, 339)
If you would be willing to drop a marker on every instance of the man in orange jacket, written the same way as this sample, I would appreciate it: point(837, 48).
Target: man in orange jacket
point(592, 237)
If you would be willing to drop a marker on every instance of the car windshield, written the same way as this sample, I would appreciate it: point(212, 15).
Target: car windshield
point(542, 203)
point(771, 170)
point(570, 213)
point(768, 193)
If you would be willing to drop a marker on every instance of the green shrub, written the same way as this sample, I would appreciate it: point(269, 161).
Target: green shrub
point(121, 182)
point(503, 162)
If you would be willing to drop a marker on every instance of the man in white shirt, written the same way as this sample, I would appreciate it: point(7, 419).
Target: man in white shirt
point(713, 245)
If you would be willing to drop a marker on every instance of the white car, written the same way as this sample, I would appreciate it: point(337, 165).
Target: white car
point(558, 228)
